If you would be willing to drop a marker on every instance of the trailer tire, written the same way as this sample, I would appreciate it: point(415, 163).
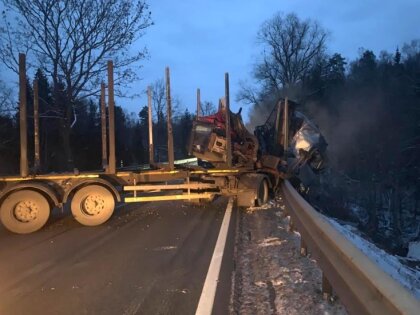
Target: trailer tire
point(25, 211)
point(262, 193)
point(92, 205)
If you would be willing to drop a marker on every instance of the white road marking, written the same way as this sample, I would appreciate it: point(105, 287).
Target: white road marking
point(205, 305)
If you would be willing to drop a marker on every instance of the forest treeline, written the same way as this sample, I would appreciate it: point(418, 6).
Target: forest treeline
point(369, 111)
point(131, 131)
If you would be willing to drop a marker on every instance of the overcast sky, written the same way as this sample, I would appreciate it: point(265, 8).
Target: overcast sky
point(200, 40)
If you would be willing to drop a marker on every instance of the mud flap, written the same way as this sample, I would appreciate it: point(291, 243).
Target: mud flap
point(249, 187)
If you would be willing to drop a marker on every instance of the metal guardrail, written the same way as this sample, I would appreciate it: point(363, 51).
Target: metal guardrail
point(362, 286)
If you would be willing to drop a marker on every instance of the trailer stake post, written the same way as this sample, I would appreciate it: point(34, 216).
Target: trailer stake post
point(277, 138)
point(198, 104)
point(227, 123)
point(169, 121)
point(111, 113)
point(23, 128)
point(150, 122)
point(103, 127)
point(286, 127)
point(37, 160)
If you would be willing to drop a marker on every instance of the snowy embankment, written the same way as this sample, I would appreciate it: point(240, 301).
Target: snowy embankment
point(408, 277)
point(271, 277)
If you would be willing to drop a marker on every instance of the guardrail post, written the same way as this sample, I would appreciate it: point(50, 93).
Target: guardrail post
point(169, 121)
point(303, 247)
point(327, 290)
point(291, 225)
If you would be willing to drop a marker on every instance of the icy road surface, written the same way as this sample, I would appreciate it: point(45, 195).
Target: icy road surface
point(147, 259)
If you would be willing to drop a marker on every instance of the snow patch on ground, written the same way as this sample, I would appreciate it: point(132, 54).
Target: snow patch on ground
point(408, 277)
point(414, 250)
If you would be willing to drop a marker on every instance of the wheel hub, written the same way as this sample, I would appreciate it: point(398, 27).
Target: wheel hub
point(93, 204)
point(26, 211)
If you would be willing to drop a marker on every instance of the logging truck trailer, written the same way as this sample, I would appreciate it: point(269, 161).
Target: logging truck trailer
point(26, 201)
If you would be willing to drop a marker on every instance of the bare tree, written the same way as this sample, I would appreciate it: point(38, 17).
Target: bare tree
point(71, 40)
point(7, 101)
point(207, 108)
point(290, 48)
point(158, 100)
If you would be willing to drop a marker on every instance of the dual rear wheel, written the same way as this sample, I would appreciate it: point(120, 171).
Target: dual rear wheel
point(92, 205)
point(26, 211)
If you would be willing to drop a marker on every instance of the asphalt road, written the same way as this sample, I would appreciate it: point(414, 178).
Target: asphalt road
point(148, 259)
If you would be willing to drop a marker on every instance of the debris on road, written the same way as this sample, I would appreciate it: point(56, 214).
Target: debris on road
point(271, 277)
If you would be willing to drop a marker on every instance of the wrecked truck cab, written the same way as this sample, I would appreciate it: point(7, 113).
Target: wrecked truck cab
point(305, 144)
point(208, 140)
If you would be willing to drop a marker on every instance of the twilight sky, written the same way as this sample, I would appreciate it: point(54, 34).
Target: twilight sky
point(201, 40)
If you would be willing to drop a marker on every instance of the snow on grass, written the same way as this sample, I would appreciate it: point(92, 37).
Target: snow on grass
point(408, 277)
point(414, 250)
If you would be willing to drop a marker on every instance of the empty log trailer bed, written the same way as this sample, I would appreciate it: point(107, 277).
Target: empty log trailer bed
point(26, 201)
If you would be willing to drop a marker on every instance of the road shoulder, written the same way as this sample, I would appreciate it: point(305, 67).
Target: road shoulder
point(271, 277)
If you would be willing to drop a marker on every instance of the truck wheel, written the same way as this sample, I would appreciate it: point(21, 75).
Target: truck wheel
point(25, 211)
point(262, 194)
point(92, 205)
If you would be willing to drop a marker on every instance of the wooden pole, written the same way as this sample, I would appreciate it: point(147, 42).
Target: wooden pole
point(150, 121)
point(103, 128)
point(169, 121)
point(198, 103)
point(37, 160)
point(227, 123)
point(111, 114)
point(24, 169)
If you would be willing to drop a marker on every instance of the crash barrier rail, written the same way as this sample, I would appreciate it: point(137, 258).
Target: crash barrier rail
point(362, 286)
